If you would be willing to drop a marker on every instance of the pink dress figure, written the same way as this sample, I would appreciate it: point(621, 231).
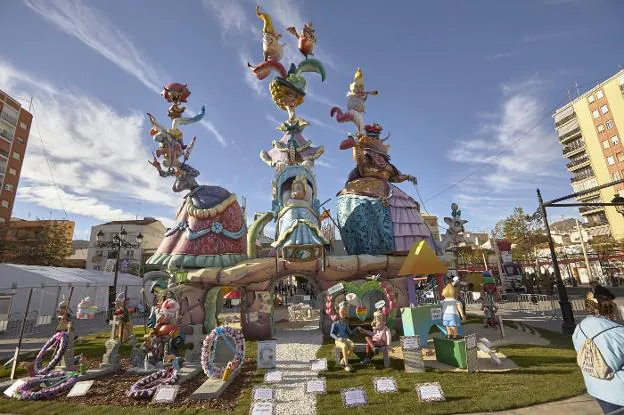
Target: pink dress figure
point(379, 337)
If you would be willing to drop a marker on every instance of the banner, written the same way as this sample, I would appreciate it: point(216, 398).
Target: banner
point(110, 265)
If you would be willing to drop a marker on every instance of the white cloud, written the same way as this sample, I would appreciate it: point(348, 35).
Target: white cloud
point(97, 154)
point(501, 55)
point(512, 151)
point(92, 28)
point(231, 15)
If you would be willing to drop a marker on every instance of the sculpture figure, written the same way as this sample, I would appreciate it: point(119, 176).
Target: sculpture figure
point(378, 338)
point(271, 48)
point(489, 298)
point(64, 317)
point(210, 229)
point(124, 327)
point(342, 333)
point(306, 40)
point(452, 312)
point(374, 215)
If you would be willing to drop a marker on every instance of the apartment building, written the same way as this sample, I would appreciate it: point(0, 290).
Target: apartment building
point(15, 124)
point(432, 222)
point(589, 129)
point(153, 232)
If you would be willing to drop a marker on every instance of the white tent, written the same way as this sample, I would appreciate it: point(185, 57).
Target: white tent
point(52, 283)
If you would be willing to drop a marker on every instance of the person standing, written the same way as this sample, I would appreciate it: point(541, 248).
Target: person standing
point(599, 343)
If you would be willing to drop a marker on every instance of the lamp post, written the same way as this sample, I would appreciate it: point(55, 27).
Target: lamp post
point(618, 201)
point(117, 242)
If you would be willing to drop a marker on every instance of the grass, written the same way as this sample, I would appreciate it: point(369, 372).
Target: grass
point(546, 374)
point(93, 347)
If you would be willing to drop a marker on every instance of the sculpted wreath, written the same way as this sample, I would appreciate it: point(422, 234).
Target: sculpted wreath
point(233, 339)
point(60, 341)
point(51, 384)
point(146, 386)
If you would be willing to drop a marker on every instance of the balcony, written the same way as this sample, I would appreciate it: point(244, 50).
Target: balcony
point(573, 149)
point(599, 229)
point(581, 178)
point(587, 210)
point(583, 185)
point(564, 116)
point(11, 119)
point(569, 131)
point(578, 163)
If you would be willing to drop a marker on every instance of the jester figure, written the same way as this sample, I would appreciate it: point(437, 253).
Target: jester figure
point(489, 298)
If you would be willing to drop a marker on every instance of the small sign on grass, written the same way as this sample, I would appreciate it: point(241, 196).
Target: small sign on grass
point(165, 394)
point(353, 397)
point(430, 392)
point(80, 388)
point(385, 385)
point(318, 385)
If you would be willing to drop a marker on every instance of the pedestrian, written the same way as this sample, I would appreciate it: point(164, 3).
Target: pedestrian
point(600, 292)
point(599, 343)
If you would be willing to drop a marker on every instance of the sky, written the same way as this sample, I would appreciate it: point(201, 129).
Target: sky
point(467, 90)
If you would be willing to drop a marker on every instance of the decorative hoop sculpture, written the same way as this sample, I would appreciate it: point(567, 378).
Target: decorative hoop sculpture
point(59, 383)
point(236, 344)
point(146, 386)
point(60, 341)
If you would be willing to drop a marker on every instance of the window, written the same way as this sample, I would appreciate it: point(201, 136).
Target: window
point(601, 128)
point(12, 172)
point(96, 267)
point(4, 153)
point(615, 140)
point(595, 114)
point(609, 124)
point(617, 175)
point(9, 187)
point(599, 94)
point(604, 109)
point(605, 144)
point(4, 203)
point(610, 160)
point(17, 156)
point(620, 156)
point(23, 125)
point(20, 139)
point(591, 99)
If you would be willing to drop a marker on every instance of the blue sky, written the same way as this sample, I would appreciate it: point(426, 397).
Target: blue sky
point(459, 81)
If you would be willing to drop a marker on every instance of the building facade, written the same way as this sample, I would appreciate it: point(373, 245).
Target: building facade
point(589, 130)
point(153, 232)
point(37, 242)
point(15, 124)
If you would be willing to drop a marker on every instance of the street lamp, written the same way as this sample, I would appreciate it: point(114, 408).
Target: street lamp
point(618, 201)
point(117, 242)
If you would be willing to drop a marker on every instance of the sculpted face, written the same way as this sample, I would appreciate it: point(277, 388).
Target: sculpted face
point(343, 312)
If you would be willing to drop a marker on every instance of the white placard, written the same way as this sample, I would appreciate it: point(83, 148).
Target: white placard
point(165, 393)
point(385, 385)
point(354, 397)
point(316, 386)
point(430, 392)
point(262, 408)
point(410, 342)
point(110, 265)
point(263, 394)
point(252, 317)
point(274, 376)
point(11, 389)
point(436, 314)
point(80, 388)
point(318, 365)
point(306, 298)
point(379, 304)
point(266, 354)
point(335, 288)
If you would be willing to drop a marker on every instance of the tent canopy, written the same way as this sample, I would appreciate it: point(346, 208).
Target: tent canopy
point(38, 276)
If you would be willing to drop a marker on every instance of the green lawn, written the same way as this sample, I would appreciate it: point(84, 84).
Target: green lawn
point(545, 374)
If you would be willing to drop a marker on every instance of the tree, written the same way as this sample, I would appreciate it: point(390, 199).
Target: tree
point(45, 245)
point(525, 235)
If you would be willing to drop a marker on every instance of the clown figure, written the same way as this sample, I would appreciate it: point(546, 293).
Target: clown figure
point(379, 337)
point(452, 310)
point(341, 333)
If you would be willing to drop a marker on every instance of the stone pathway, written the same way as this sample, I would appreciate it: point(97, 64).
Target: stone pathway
point(295, 348)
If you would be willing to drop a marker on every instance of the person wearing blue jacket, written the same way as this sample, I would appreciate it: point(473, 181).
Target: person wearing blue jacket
point(608, 338)
point(341, 333)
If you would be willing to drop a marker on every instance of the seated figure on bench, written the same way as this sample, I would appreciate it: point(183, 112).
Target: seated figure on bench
point(378, 338)
point(341, 333)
